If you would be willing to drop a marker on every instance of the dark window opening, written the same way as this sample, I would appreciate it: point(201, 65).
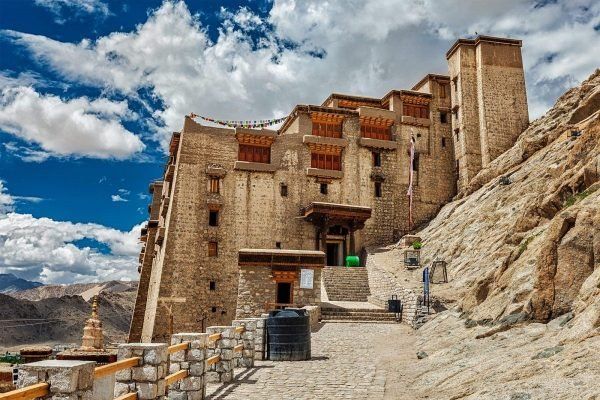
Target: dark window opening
point(213, 249)
point(283, 190)
point(213, 218)
point(213, 309)
point(212, 285)
point(443, 90)
point(377, 189)
point(415, 164)
point(214, 184)
point(323, 188)
point(444, 118)
point(456, 132)
point(284, 293)
point(376, 159)
point(278, 245)
point(443, 142)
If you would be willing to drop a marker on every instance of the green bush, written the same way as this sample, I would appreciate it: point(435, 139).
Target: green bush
point(417, 245)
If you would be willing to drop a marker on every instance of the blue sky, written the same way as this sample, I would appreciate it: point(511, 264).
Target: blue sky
point(90, 91)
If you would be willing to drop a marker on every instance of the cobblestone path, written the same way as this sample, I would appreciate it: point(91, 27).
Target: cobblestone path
point(348, 362)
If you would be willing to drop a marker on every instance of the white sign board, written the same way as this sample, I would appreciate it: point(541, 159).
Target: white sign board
point(307, 277)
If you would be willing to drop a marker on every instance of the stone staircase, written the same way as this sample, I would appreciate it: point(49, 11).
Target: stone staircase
point(356, 312)
point(346, 284)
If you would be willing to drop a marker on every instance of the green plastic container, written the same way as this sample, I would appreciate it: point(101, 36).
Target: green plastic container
point(352, 261)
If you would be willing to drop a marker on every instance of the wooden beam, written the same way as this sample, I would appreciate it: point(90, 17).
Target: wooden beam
point(240, 329)
point(27, 393)
point(176, 377)
point(178, 347)
point(238, 348)
point(128, 396)
point(214, 337)
point(213, 360)
point(111, 368)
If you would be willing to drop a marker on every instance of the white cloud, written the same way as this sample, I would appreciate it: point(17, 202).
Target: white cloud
point(8, 201)
point(43, 249)
point(78, 127)
point(57, 7)
point(358, 46)
point(117, 198)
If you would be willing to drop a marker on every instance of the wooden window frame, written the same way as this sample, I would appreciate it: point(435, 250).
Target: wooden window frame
point(214, 184)
point(327, 129)
point(252, 153)
point(415, 111)
point(213, 249)
point(332, 162)
point(376, 132)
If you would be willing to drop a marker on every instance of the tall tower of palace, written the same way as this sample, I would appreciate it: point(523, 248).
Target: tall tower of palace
point(489, 102)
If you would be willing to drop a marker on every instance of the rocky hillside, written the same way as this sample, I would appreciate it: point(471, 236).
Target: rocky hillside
point(56, 314)
point(523, 252)
point(10, 283)
point(85, 290)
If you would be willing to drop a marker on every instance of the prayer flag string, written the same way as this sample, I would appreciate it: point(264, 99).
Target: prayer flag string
point(261, 123)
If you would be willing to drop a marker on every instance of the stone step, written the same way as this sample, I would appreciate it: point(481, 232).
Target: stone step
point(381, 317)
point(357, 314)
point(370, 310)
point(343, 321)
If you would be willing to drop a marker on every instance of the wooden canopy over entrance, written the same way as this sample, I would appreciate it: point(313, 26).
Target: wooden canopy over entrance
point(275, 258)
point(326, 215)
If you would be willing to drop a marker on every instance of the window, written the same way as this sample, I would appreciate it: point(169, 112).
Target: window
point(213, 218)
point(443, 142)
point(377, 189)
point(376, 159)
point(443, 90)
point(325, 161)
point(444, 118)
point(212, 285)
point(456, 132)
point(259, 154)
point(214, 184)
point(213, 249)
point(277, 245)
point(455, 81)
point(283, 190)
point(213, 309)
point(325, 129)
point(376, 132)
point(323, 188)
point(416, 111)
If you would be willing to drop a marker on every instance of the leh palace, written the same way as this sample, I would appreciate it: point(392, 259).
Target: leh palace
point(247, 220)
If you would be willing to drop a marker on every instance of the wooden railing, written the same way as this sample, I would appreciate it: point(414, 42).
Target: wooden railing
point(111, 368)
point(213, 360)
point(27, 393)
point(176, 376)
point(178, 347)
point(128, 396)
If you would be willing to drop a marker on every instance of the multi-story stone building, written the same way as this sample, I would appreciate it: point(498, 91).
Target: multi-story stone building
point(243, 216)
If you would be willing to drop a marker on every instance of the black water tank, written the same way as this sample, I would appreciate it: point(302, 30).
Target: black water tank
point(288, 335)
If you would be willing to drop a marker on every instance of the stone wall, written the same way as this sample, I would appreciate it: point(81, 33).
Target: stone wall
point(257, 288)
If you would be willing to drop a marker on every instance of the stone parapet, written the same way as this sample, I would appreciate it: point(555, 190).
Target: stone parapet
point(192, 359)
point(68, 379)
point(221, 371)
point(245, 358)
point(148, 378)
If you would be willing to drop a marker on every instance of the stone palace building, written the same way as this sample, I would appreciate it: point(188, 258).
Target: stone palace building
point(243, 219)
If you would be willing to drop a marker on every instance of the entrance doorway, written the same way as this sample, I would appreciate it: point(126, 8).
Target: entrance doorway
point(333, 254)
point(284, 292)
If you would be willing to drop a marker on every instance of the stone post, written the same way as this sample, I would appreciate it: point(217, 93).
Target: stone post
point(246, 357)
point(68, 379)
point(147, 379)
point(223, 370)
point(260, 336)
point(193, 360)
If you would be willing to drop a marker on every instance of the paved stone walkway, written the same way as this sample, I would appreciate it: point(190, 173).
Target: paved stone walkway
point(347, 363)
